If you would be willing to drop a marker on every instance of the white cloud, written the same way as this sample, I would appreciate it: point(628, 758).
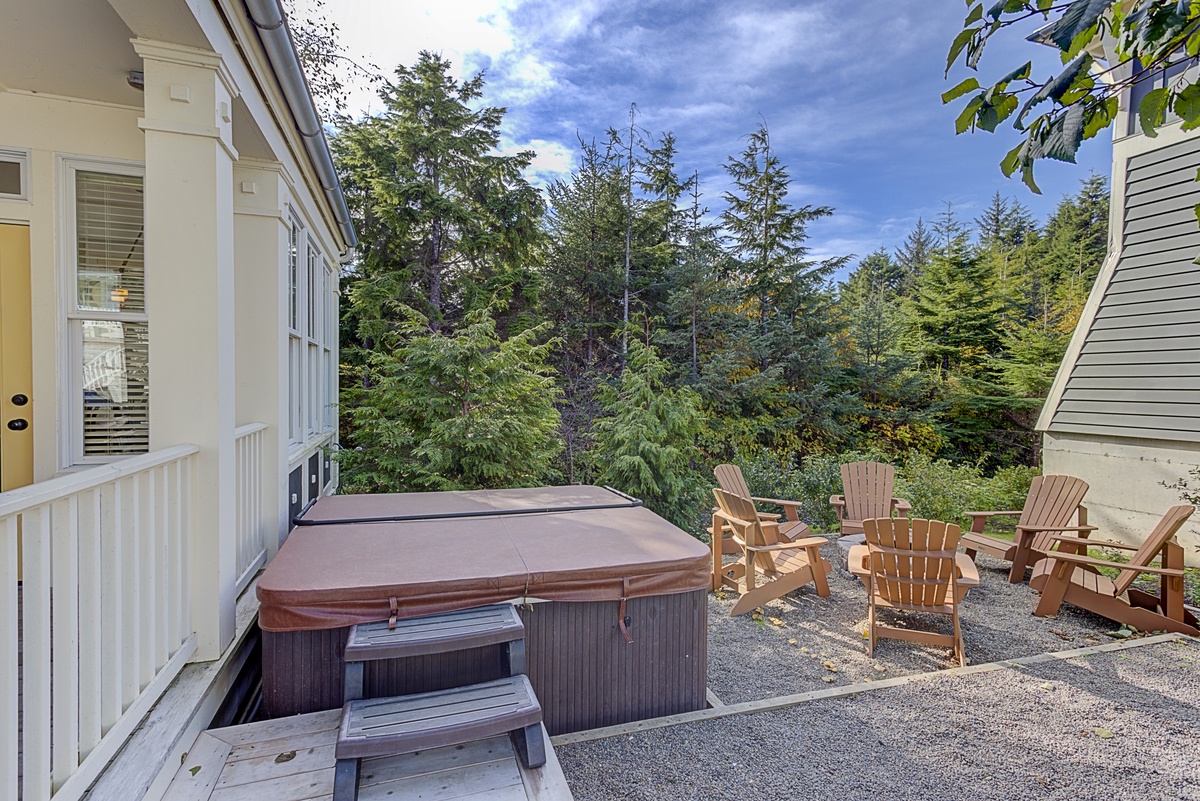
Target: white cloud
point(554, 160)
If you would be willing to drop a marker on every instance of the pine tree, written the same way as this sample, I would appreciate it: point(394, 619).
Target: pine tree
point(464, 410)
point(433, 202)
point(645, 442)
point(914, 255)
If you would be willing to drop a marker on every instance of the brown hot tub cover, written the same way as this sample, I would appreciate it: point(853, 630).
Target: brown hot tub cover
point(336, 573)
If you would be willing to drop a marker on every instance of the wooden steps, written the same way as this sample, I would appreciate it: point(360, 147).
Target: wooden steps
point(383, 727)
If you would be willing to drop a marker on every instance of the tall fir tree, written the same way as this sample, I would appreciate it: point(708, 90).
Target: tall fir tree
point(915, 254)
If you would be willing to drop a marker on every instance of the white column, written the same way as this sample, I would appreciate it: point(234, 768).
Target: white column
point(261, 248)
point(190, 302)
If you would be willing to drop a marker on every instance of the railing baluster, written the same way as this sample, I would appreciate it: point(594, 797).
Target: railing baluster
point(35, 654)
point(112, 645)
point(9, 721)
point(162, 549)
point(131, 594)
point(90, 625)
point(64, 582)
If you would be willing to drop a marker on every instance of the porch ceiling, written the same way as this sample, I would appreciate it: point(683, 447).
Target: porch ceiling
point(74, 48)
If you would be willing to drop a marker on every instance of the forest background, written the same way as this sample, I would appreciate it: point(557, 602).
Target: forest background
point(613, 330)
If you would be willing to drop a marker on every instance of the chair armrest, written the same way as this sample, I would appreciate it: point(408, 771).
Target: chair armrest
point(993, 514)
point(968, 571)
point(837, 500)
point(1058, 528)
point(796, 545)
point(768, 517)
point(1087, 560)
point(1098, 543)
point(776, 501)
point(733, 520)
point(901, 505)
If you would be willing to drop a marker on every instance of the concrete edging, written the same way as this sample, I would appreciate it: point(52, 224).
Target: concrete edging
point(785, 701)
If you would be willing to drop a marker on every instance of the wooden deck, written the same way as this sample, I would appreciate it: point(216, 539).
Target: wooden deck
point(291, 759)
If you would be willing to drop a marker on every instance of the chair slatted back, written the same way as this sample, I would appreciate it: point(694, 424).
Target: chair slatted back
point(912, 561)
point(867, 488)
point(730, 479)
point(754, 534)
point(1167, 527)
point(1052, 501)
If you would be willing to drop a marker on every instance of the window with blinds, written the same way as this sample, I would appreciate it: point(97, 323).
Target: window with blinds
point(108, 319)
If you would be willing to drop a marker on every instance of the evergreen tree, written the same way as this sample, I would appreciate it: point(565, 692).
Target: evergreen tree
point(645, 442)
point(464, 410)
point(438, 211)
point(914, 255)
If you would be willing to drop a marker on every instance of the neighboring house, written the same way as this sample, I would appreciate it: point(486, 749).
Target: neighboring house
point(170, 236)
point(1124, 411)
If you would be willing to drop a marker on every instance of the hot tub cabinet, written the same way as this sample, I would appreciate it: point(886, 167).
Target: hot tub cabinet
point(577, 573)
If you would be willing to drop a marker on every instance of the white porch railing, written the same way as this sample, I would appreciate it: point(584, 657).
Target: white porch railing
point(105, 591)
point(251, 531)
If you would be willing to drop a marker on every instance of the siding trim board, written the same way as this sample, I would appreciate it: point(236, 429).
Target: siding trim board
point(1137, 373)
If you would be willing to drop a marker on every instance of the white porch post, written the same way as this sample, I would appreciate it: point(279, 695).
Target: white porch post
point(261, 236)
point(190, 301)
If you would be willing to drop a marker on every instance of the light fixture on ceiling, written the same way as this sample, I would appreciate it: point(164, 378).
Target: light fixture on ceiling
point(137, 79)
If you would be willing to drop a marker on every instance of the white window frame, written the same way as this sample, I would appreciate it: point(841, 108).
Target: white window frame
point(70, 350)
point(297, 241)
point(21, 156)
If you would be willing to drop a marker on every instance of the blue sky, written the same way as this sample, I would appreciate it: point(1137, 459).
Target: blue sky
point(849, 91)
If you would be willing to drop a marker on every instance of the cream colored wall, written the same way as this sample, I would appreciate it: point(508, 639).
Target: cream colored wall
point(50, 128)
point(1126, 496)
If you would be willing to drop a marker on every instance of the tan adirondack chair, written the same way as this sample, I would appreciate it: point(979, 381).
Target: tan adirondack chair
point(867, 492)
point(730, 478)
point(912, 567)
point(769, 567)
point(1073, 577)
point(1049, 508)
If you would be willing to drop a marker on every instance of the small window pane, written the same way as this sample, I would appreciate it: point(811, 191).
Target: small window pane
point(116, 372)
point(109, 229)
point(10, 178)
point(294, 277)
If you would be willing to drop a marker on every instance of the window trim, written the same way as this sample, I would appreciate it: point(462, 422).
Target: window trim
point(69, 352)
point(22, 157)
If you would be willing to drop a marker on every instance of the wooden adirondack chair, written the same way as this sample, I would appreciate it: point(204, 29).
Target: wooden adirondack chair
point(913, 568)
point(730, 478)
point(867, 492)
point(784, 566)
point(1051, 503)
point(1072, 577)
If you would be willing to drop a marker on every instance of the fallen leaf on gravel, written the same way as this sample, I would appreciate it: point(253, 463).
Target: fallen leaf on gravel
point(777, 621)
point(879, 668)
point(1061, 634)
point(794, 642)
point(721, 596)
point(1103, 734)
point(804, 649)
point(832, 668)
point(827, 679)
point(1045, 685)
point(1120, 634)
point(757, 614)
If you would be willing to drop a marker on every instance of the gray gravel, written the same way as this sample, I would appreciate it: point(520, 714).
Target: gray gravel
point(749, 660)
point(1120, 725)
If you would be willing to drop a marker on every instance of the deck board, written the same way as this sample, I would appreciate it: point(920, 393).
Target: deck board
point(291, 759)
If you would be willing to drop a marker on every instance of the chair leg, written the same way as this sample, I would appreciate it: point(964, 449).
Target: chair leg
point(959, 650)
point(345, 780)
point(817, 565)
point(871, 627)
point(1058, 581)
point(530, 745)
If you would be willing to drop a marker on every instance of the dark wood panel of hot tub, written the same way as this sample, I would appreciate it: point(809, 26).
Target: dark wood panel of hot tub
point(583, 671)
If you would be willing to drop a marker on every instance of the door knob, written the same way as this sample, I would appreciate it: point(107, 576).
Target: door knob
point(18, 424)
point(20, 400)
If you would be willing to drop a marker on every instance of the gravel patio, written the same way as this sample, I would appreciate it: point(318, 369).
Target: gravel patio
point(1115, 724)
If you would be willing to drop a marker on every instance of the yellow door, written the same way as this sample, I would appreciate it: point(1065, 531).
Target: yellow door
point(16, 362)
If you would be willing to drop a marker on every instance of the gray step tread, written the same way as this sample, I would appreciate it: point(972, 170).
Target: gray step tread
point(409, 723)
point(435, 634)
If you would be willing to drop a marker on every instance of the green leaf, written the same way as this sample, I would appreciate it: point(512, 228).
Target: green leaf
point(1079, 16)
point(1011, 161)
point(968, 114)
point(1187, 106)
point(1019, 74)
point(956, 47)
point(1061, 137)
point(1100, 116)
point(1152, 110)
point(1056, 87)
point(960, 90)
point(974, 16)
point(992, 115)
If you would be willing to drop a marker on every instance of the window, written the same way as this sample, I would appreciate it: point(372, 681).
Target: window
point(14, 174)
point(312, 331)
point(106, 317)
point(1159, 78)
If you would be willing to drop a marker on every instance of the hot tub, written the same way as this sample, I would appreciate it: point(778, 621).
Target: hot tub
point(613, 598)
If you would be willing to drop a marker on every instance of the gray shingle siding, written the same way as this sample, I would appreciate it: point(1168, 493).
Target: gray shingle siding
point(1138, 374)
